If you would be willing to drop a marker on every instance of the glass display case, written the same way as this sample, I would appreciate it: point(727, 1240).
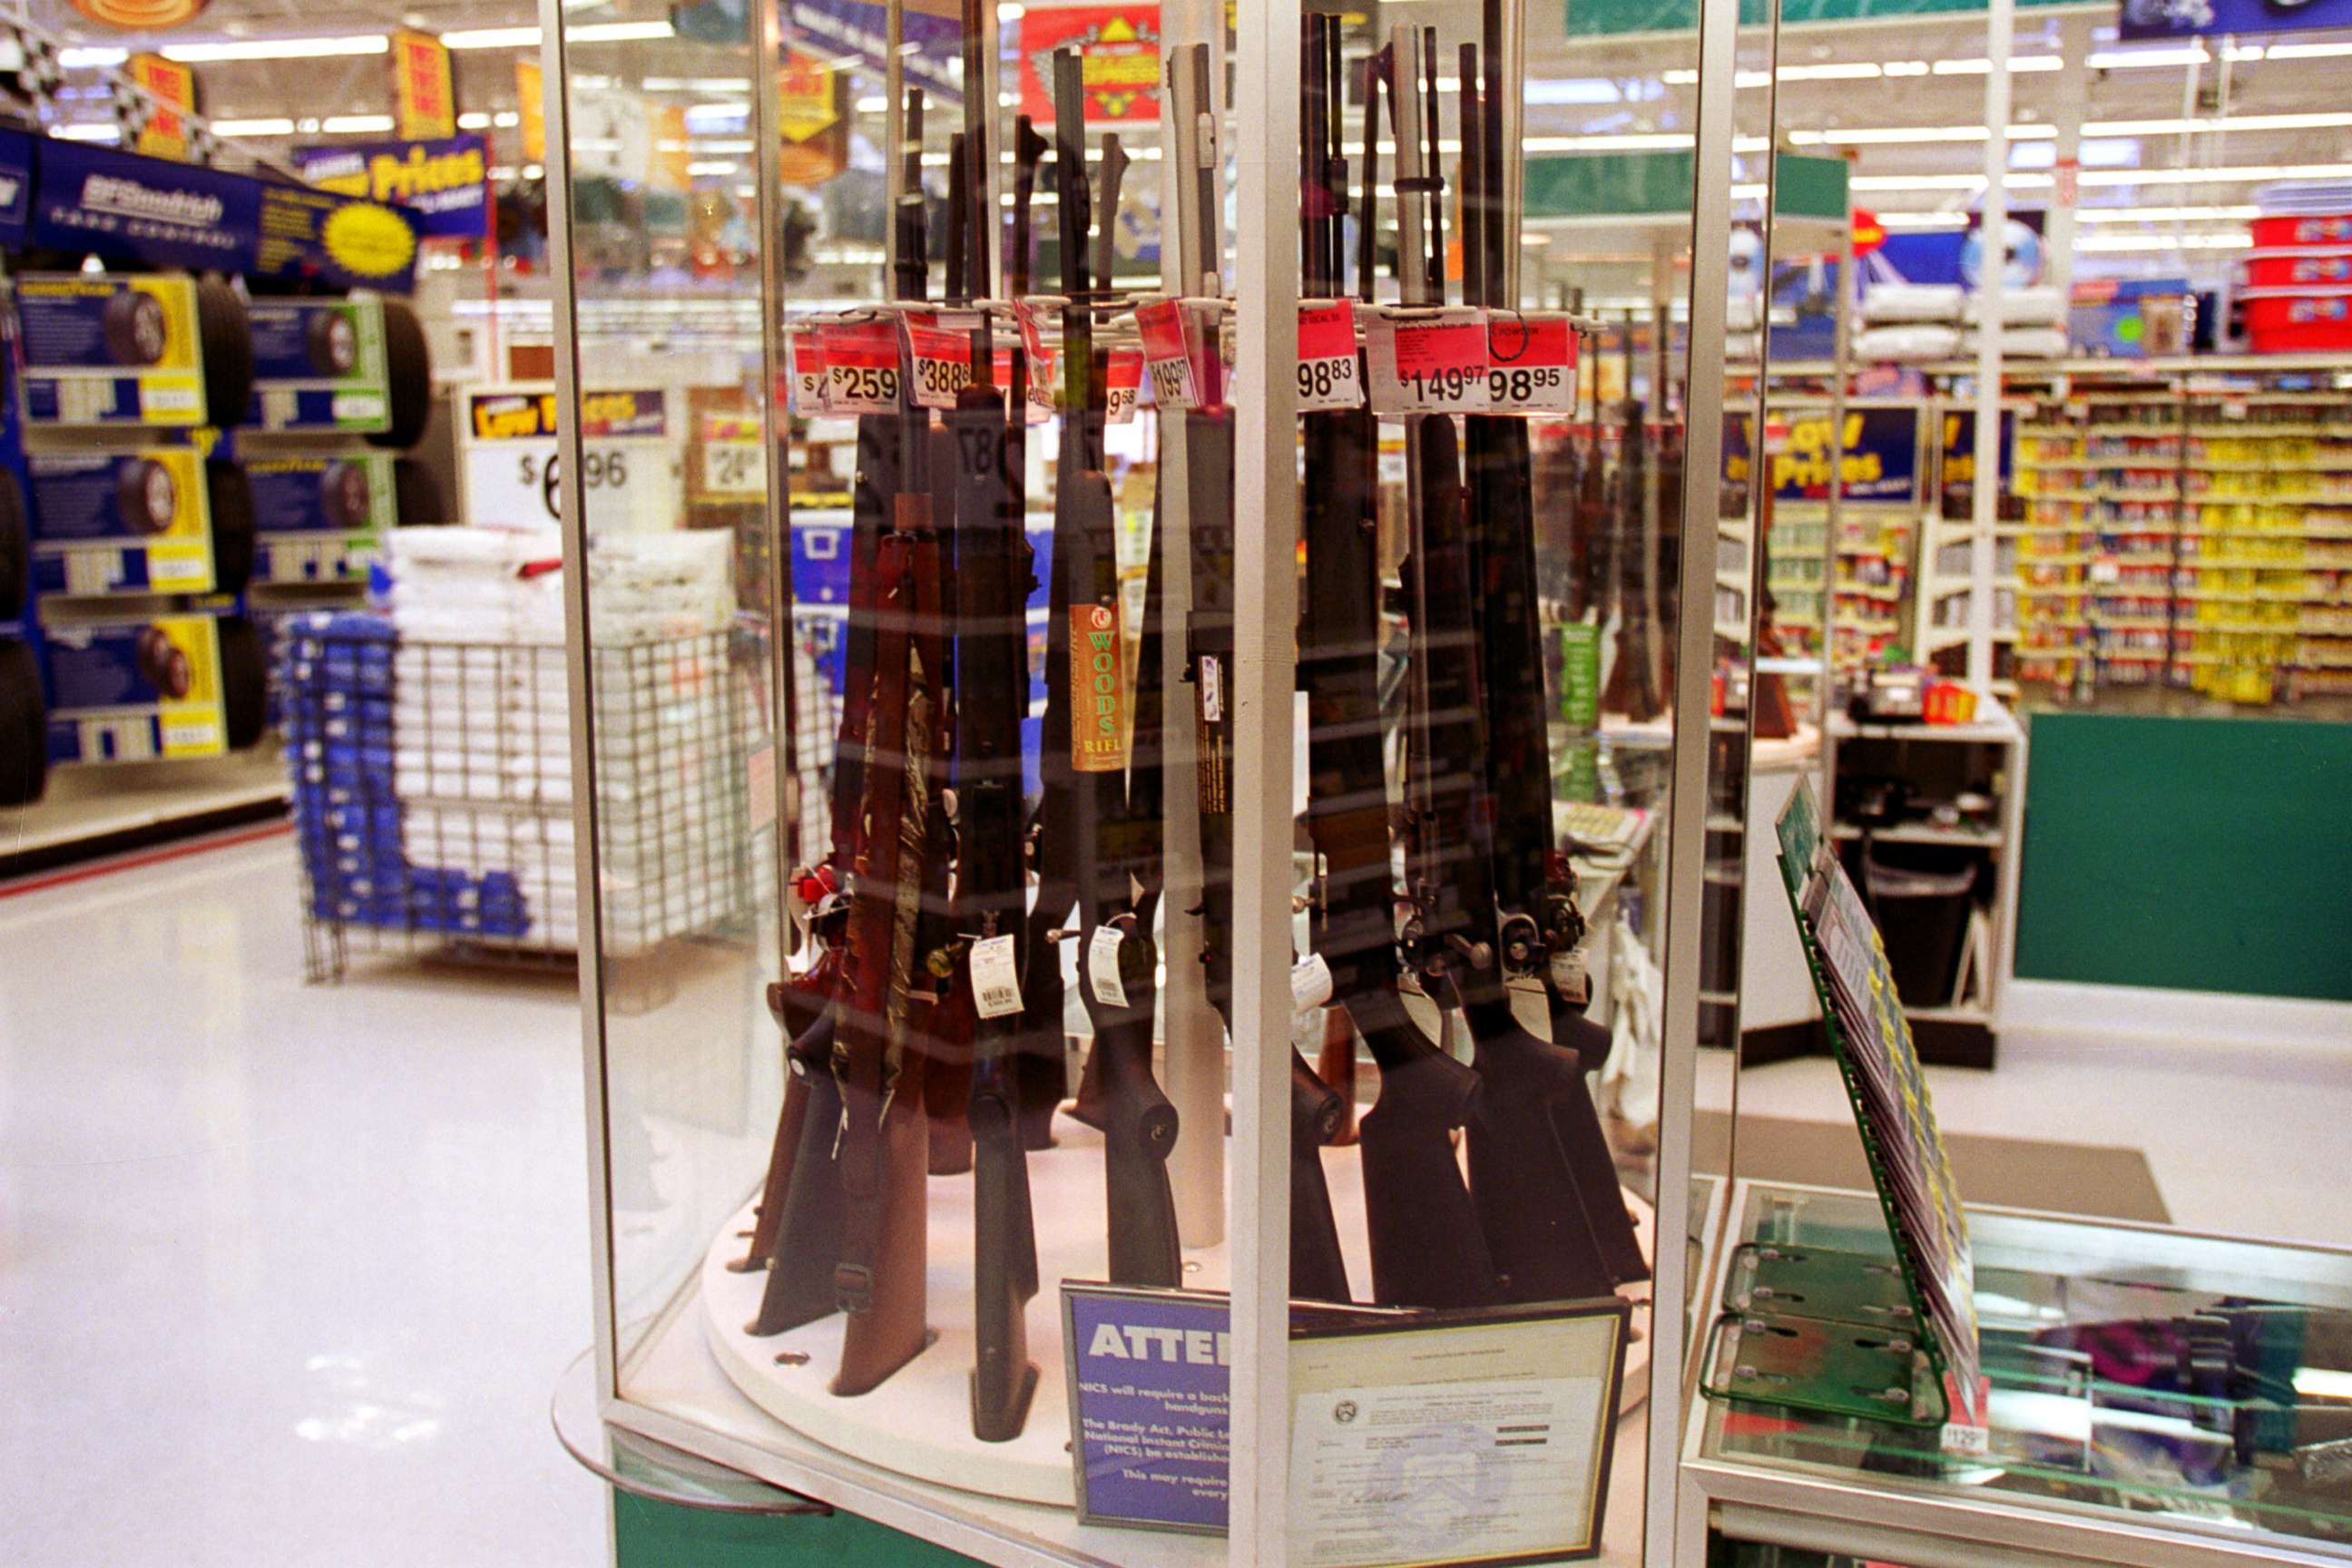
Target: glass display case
point(2156, 1397)
point(1221, 769)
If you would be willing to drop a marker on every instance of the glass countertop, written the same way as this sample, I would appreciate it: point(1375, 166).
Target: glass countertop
point(2137, 1373)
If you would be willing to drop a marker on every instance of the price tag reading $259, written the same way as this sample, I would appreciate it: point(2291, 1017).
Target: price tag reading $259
point(861, 367)
point(1326, 356)
point(1530, 363)
point(1168, 354)
point(1432, 362)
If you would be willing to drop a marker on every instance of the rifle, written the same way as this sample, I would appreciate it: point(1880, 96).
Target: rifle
point(991, 691)
point(1632, 688)
point(1536, 1127)
point(1428, 1249)
point(1087, 798)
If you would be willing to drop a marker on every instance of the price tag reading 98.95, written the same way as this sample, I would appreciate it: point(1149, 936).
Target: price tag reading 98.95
point(1429, 363)
point(861, 365)
point(1167, 356)
point(1530, 363)
point(1124, 376)
point(1327, 355)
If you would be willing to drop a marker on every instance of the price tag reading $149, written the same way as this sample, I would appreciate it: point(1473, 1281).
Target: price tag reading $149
point(1326, 356)
point(1530, 363)
point(1429, 362)
point(861, 366)
point(1167, 351)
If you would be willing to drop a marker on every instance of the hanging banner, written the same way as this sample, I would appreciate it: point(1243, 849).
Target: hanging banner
point(162, 110)
point(140, 16)
point(934, 41)
point(1120, 49)
point(2169, 20)
point(16, 186)
point(446, 183)
point(424, 98)
point(810, 99)
point(530, 106)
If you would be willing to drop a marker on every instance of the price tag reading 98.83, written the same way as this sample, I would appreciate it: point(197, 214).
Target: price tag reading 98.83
point(1168, 354)
point(1327, 355)
point(861, 365)
point(1119, 386)
point(1530, 363)
point(1432, 362)
point(939, 349)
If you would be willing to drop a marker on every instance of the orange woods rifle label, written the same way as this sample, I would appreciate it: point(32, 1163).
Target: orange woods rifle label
point(1097, 691)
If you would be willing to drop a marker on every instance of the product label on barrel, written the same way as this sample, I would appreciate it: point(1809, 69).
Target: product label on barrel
point(1097, 691)
point(995, 987)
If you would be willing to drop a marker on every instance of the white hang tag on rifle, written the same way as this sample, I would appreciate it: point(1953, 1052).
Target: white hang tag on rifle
point(1310, 984)
point(1530, 362)
point(1167, 351)
point(1120, 383)
point(1326, 356)
point(995, 987)
point(810, 388)
point(1430, 362)
point(861, 367)
point(1044, 364)
point(1102, 967)
point(938, 349)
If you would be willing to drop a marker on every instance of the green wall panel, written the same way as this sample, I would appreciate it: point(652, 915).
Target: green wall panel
point(2189, 853)
point(1590, 18)
point(648, 1534)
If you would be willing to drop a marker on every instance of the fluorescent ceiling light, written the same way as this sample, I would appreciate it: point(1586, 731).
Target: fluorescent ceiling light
point(1573, 90)
point(2019, 65)
point(1834, 70)
point(697, 84)
point(619, 31)
point(2224, 174)
point(89, 131)
point(277, 48)
point(2166, 214)
point(473, 119)
point(2141, 60)
point(2308, 51)
point(2228, 122)
point(1910, 135)
point(91, 58)
point(875, 105)
point(733, 144)
point(1907, 67)
point(2095, 242)
point(697, 112)
point(253, 127)
point(492, 38)
point(1923, 220)
point(712, 166)
point(355, 124)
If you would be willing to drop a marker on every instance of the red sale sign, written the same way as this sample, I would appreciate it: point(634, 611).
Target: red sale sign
point(1120, 47)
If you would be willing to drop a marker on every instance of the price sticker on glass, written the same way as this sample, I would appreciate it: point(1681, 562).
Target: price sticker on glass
point(938, 349)
point(1530, 362)
point(1429, 362)
point(1326, 356)
point(861, 365)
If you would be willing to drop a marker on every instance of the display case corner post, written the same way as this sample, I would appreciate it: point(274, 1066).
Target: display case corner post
point(578, 684)
point(1686, 838)
point(1267, 70)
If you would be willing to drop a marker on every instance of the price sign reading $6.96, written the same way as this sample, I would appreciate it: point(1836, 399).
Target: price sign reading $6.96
point(1530, 362)
point(1432, 362)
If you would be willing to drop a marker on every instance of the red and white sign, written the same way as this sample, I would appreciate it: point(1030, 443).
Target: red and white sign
point(861, 367)
point(939, 351)
point(1168, 351)
point(1432, 362)
point(1119, 60)
point(1326, 356)
point(1122, 381)
point(1530, 362)
point(809, 386)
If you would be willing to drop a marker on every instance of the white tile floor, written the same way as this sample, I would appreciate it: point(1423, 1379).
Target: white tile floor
point(287, 1273)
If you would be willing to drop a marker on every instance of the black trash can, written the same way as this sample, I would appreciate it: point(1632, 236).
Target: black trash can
point(1922, 897)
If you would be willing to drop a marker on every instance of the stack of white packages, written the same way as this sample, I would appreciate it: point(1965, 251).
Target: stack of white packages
point(2033, 321)
point(1909, 321)
point(482, 726)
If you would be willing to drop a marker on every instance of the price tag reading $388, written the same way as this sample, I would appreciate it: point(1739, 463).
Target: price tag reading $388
point(938, 348)
point(1530, 363)
point(1432, 362)
point(1327, 355)
point(861, 366)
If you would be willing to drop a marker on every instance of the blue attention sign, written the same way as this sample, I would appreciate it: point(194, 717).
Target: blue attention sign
point(1149, 1415)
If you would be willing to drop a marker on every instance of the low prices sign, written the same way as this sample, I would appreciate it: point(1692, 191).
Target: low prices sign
point(1119, 47)
point(446, 184)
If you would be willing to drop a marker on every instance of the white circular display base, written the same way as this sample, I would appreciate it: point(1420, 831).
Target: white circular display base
point(920, 1422)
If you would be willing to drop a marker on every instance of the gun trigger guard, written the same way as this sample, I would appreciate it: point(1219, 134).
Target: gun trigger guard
point(853, 1287)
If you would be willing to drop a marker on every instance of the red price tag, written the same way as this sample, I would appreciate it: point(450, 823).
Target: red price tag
point(1043, 363)
point(1530, 363)
point(861, 366)
point(809, 386)
point(1168, 352)
point(1040, 399)
point(1327, 355)
point(939, 351)
point(1429, 362)
point(1124, 376)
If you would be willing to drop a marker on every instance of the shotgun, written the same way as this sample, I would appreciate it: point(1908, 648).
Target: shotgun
point(992, 693)
point(1633, 689)
point(1085, 761)
point(1428, 1249)
point(1536, 1130)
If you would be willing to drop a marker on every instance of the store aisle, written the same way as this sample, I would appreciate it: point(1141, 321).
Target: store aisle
point(287, 1272)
